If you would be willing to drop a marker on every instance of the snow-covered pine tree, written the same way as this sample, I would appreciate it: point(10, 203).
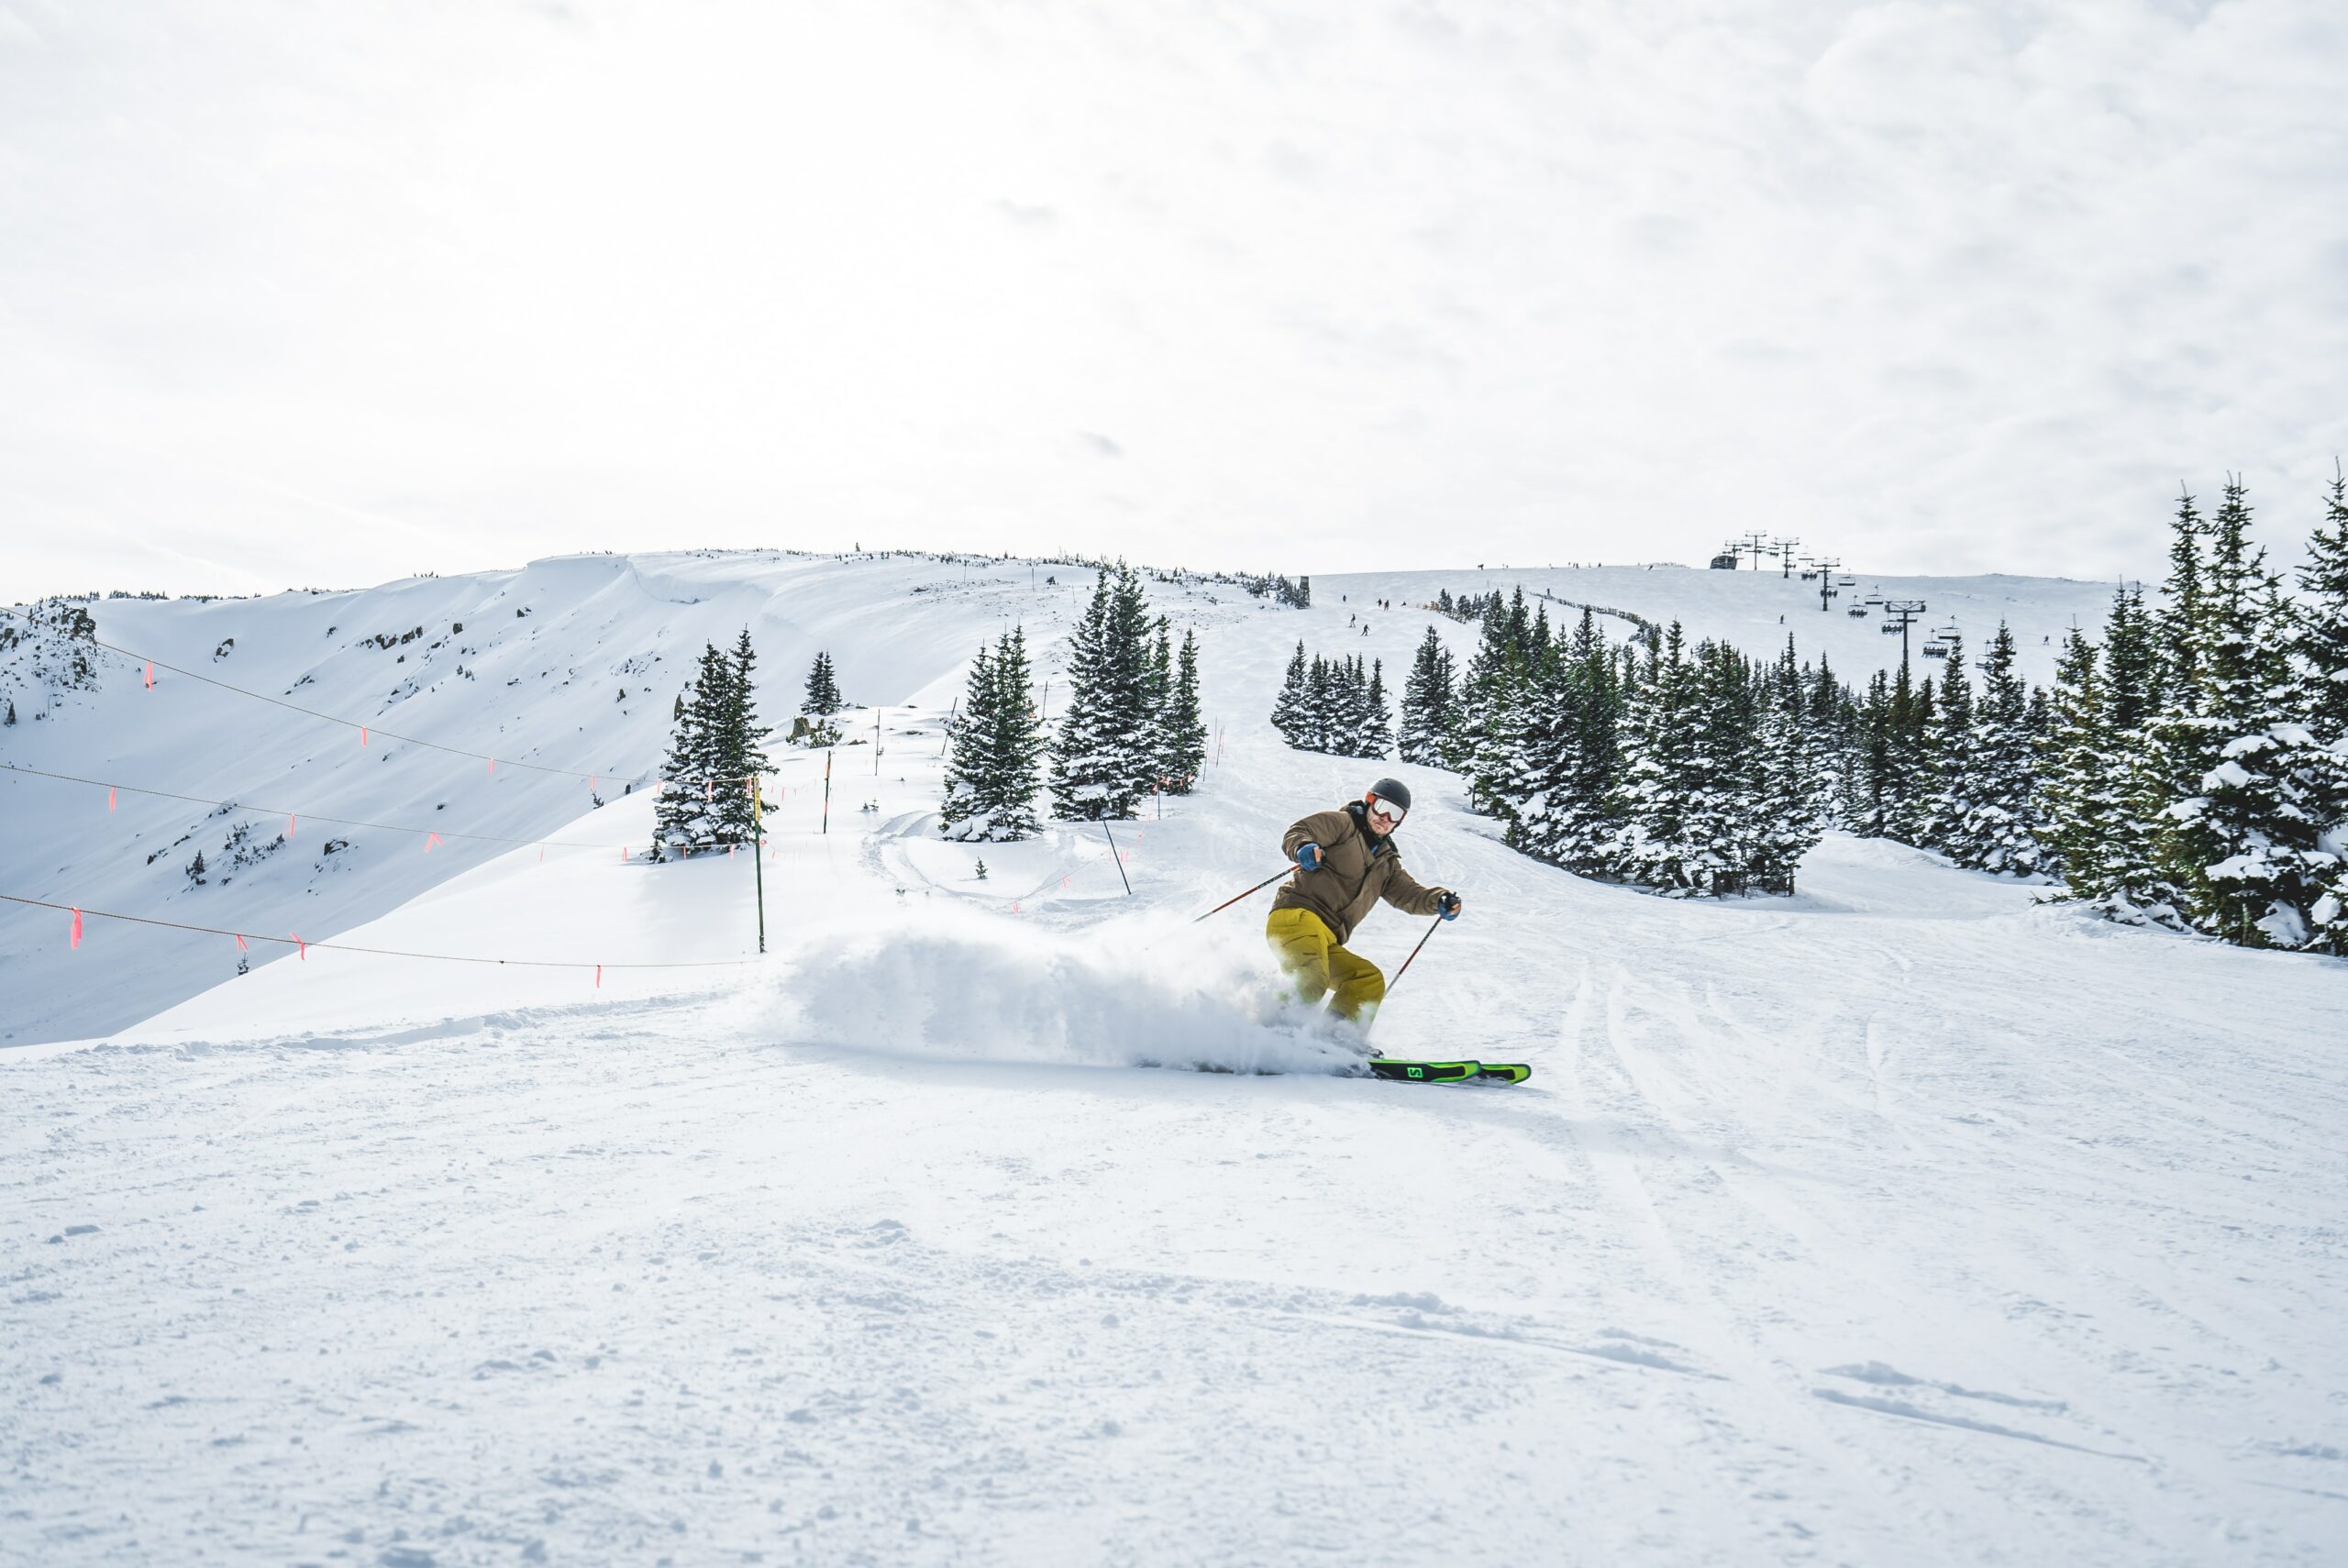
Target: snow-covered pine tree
point(1954, 787)
point(685, 816)
point(2176, 750)
point(966, 774)
point(2177, 629)
point(1869, 792)
point(1158, 693)
point(1660, 781)
point(1489, 712)
point(1377, 719)
point(2000, 829)
point(1586, 822)
point(2322, 641)
point(1331, 707)
point(823, 698)
point(1105, 761)
point(1183, 732)
point(2240, 849)
point(1831, 718)
point(1724, 817)
point(2125, 881)
point(1288, 708)
point(1427, 703)
point(738, 755)
point(2322, 703)
point(2076, 794)
point(1542, 766)
point(1910, 773)
point(995, 748)
point(1789, 816)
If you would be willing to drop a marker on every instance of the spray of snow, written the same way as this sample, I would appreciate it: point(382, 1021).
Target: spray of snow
point(971, 986)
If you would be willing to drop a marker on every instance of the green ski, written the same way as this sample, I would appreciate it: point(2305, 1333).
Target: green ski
point(1447, 1072)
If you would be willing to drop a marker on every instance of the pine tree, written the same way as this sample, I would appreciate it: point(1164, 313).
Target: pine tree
point(2178, 630)
point(1870, 792)
point(995, 747)
point(1376, 734)
point(1105, 760)
point(2241, 848)
point(2323, 705)
point(685, 817)
point(1954, 785)
point(823, 698)
point(1428, 717)
point(1323, 704)
point(1789, 816)
point(1183, 732)
point(821, 701)
point(1158, 696)
point(2323, 641)
point(738, 759)
point(2000, 832)
point(1489, 699)
point(1288, 708)
point(1913, 774)
point(2077, 793)
point(2128, 884)
point(1660, 783)
point(1722, 815)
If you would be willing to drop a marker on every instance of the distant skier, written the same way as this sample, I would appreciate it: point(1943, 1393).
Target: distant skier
point(1346, 862)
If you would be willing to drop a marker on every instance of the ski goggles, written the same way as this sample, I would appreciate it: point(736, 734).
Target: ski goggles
point(1378, 806)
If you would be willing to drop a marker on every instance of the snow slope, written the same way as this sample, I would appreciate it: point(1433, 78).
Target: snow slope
point(1757, 611)
point(572, 663)
point(1902, 1221)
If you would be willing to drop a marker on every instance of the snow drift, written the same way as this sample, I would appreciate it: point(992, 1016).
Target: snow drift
point(965, 985)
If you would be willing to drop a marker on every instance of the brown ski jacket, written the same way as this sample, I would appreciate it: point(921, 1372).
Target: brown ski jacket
point(1356, 870)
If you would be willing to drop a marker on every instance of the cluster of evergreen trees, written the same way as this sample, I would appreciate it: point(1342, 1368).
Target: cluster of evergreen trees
point(1296, 595)
point(1334, 705)
point(714, 757)
point(1692, 770)
point(2191, 769)
point(1935, 764)
point(995, 747)
point(1467, 606)
point(2196, 761)
point(1132, 725)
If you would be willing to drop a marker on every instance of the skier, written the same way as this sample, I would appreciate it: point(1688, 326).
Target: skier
point(1346, 862)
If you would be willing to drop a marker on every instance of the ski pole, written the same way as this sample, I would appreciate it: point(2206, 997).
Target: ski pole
point(1236, 896)
point(1414, 953)
point(1111, 837)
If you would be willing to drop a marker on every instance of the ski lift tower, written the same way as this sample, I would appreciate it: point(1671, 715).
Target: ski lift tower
point(1827, 567)
point(1758, 543)
point(1786, 548)
point(1899, 614)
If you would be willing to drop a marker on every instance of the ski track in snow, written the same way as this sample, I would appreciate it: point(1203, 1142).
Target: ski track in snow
point(1899, 1222)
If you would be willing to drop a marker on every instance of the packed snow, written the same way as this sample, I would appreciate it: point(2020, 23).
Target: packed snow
point(1907, 1219)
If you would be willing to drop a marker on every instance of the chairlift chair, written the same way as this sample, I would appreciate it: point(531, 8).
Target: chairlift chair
point(1936, 650)
point(1857, 611)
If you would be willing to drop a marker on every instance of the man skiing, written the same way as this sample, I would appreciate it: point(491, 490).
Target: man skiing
point(1346, 862)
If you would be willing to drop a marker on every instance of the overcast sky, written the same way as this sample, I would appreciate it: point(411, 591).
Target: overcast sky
point(326, 294)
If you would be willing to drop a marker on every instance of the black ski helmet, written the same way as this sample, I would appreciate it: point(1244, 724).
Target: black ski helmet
point(1392, 789)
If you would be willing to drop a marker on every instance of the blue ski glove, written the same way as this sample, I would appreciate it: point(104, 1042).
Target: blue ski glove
point(1308, 856)
point(1446, 904)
